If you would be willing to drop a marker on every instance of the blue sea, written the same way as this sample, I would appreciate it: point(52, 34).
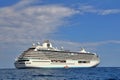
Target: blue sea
point(99, 73)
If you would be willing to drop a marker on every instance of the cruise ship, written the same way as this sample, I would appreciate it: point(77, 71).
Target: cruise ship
point(46, 56)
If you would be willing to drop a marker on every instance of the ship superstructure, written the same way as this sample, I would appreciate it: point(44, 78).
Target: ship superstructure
point(46, 56)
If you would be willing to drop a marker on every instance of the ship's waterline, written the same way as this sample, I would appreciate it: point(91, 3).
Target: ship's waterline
point(46, 56)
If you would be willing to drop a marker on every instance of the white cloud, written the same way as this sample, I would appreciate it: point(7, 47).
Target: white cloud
point(91, 9)
point(109, 11)
point(23, 22)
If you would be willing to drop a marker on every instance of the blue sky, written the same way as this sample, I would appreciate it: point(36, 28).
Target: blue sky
point(73, 24)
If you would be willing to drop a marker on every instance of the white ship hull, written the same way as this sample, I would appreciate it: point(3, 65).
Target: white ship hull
point(46, 56)
point(48, 64)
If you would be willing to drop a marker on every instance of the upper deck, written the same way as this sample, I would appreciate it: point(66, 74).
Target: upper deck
point(46, 51)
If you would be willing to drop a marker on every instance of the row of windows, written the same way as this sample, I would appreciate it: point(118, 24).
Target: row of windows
point(58, 61)
point(64, 61)
point(40, 61)
point(55, 61)
point(22, 60)
point(83, 61)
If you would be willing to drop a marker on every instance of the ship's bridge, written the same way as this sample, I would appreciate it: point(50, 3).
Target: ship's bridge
point(45, 46)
